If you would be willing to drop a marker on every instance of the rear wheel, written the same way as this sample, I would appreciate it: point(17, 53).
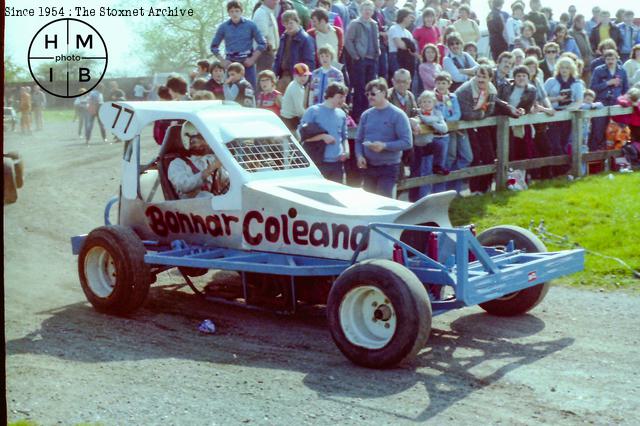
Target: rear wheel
point(522, 301)
point(10, 187)
point(379, 313)
point(113, 274)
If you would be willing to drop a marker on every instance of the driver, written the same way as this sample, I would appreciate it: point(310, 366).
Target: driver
point(199, 173)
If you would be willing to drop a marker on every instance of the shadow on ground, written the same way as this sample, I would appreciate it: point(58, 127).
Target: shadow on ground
point(448, 369)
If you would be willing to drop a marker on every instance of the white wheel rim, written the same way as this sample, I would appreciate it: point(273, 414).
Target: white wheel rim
point(100, 271)
point(367, 317)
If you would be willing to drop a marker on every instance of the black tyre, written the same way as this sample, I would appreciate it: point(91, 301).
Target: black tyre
point(10, 187)
point(18, 163)
point(379, 313)
point(113, 274)
point(522, 301)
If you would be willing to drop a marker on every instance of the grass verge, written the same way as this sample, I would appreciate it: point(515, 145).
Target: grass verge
point(598, 212)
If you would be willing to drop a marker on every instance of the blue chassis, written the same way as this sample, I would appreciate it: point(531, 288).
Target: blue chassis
point(494, 274)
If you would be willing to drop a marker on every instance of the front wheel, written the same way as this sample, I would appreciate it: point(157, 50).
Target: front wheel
point(522, 301)
point(113, 274)
point(379, 313)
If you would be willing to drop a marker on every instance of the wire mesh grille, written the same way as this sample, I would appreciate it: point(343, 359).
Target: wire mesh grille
point(261, 154)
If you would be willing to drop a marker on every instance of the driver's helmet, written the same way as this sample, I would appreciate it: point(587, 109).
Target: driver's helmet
point(188, 130)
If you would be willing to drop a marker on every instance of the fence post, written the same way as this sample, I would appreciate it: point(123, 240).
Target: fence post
point(577, 141)
point(502, 152)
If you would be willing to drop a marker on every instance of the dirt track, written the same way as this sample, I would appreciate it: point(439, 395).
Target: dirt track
point(573, 360)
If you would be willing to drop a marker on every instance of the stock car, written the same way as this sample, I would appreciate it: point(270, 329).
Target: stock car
point(383, 267)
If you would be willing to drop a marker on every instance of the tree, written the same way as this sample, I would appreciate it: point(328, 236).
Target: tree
point(176, 43)
point(14, 72)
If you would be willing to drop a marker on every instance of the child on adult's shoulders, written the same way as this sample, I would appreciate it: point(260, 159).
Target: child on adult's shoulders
point(326, 74)
point(268, 98)
point(237, 88)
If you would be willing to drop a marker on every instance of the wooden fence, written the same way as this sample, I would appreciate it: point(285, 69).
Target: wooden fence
point(502, 164)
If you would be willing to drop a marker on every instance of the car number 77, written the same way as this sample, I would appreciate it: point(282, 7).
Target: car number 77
point(120, 109)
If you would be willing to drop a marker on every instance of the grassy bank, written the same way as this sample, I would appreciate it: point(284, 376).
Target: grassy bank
point(599, 213)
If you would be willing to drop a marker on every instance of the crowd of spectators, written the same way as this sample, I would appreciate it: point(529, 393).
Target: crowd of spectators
point(402, 74)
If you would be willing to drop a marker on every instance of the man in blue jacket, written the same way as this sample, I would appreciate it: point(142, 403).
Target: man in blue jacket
point(630, 35)
point(238, 34)
point(295, 46)
point(608, 82)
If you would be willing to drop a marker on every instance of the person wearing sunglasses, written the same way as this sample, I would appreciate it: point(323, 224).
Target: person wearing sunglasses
point(459, 64)
point(383, 133)
point(548, 64)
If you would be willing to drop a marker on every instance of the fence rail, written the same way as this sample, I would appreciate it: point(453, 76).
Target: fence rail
point(502, 164)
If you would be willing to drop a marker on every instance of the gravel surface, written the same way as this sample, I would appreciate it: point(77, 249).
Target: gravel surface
point(573, 360)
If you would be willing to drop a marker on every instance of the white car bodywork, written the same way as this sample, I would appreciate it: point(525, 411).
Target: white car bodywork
point(291, 210)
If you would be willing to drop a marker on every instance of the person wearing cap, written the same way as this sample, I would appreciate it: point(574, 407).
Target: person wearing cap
point(295, 97)
point(295, 46)
point(383, 133)
point(199, 173)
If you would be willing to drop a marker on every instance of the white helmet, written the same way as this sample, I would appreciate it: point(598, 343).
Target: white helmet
point(188, 130)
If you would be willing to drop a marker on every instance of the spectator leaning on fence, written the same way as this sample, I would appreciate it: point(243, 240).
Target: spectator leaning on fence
point(565, 92)
point(521, 94)
point(239, 34)
point(609, 81)
point(383, 133)
point(330, 117)
point(295, 46)
point(477, 101)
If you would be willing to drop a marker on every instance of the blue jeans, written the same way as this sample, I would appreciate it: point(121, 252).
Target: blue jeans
point(425, 158)
point(362, 72)
point(88, 126)
point(250, 76)
point(459, 156)
point(381, 179)
point(332, 171)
